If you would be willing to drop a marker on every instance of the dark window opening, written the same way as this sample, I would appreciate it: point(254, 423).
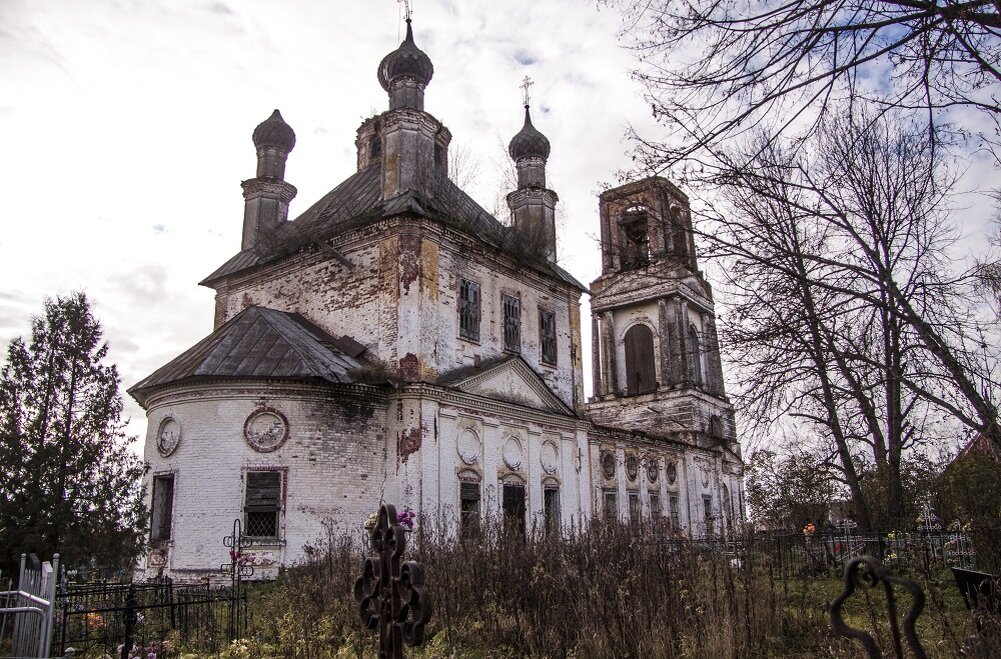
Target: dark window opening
point(655, 511)
point(611, 505)
point(469, 509)
point(716, 427)
point(512, 323)
point(694, 356)
point(469, 310)
point(551, 508)
point(162, 509)
point(707, 506)
point(641, 372)
point(374, 147)
point(635, 239)
point(263, 503)
point(632, 467)
point(439, 156)
point(672, 472)
point(634, 508)
point(608, 464)
point(675, 506)
point(514, 507)
point(652, 469)
point(547, 336)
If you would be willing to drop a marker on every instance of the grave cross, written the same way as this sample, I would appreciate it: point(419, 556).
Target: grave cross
point(390, 592)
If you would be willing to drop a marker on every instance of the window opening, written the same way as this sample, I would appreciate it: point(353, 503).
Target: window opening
point(655, 511)
point(716, 427)
point(640, 367)
point(263, 503)
point(551, 508)
point(162, 512)
point(652, 469)
point(547, 336)
point(672, 472)
point(634, 508)
point(469, 310)
point(514, 507)
point(439, 156)
point(694, 356)
point(611, 505)
point(707, 506)
point(374, 147)
point(635, 239)
point(512, 323)
point(608, 464)
point(632, 467)
point(675, 504)
point(469, 508)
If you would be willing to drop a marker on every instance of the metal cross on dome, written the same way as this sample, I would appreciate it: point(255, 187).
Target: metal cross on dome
point(407, 10)
point(390, 592)
point(526, 84)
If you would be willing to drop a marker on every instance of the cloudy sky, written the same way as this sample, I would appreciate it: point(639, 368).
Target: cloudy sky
point(126, 131)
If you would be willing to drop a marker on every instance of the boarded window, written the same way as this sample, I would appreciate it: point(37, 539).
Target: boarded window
point(547, 336)
point(469, 508)
point(640, 368)
point(674, 503)
point(263, 503)
point(163, 509)
point(611, 505)
point(634, 508)
point(514, 507)
point(694, 356)
point(469, 310)
point(551, 508)
point(512, 323)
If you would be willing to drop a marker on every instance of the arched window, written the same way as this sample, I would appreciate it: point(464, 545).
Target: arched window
point(641, 372)
point(694, 356)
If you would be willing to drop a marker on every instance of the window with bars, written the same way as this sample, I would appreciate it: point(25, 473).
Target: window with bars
point(512, 323)
point(262, 504)
point(161, 513)
point(634, 508)
point(611, 505)
point(551, 508)
point(469, 310)
point(655, 511)
point(547, 336)
point(675, 505)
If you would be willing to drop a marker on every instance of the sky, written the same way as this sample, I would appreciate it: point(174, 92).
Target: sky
point(127, 125)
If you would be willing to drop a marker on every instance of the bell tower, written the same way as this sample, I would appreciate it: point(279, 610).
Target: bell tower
point(655, 350)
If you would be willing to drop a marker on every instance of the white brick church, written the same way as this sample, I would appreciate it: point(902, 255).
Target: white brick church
point(397, 343)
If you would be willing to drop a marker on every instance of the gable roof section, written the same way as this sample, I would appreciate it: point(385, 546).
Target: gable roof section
point(509, 379)
point(261, 343)
point(358, 201)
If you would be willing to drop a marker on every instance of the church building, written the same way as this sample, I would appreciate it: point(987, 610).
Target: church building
point(397, 343)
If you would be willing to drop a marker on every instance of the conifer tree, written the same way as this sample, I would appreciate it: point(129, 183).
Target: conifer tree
point(68, 481)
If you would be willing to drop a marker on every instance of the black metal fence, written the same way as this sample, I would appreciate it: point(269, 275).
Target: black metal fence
point(146, 615)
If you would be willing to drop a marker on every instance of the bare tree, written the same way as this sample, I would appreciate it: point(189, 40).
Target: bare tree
point(847, 315)
point(714, 69)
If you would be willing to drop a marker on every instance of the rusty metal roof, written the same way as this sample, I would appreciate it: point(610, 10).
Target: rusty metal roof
point(358, 201)
point(257, 343)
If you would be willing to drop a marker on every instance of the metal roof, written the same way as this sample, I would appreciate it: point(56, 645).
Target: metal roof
point(257, 343)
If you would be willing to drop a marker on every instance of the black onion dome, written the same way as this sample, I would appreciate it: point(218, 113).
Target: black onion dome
point(406, 61)
point(273, 131)
point(529, 142)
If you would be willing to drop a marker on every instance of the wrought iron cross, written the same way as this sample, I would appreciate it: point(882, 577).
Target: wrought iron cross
point(526, 83)
point(390, 593)
point(407, 11)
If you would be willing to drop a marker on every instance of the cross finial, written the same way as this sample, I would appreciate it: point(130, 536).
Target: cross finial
point(526, 83)
point(407, 11)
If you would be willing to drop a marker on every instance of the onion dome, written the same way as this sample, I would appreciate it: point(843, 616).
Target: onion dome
point(529, 142)
point(273, 131)
point(406, 61)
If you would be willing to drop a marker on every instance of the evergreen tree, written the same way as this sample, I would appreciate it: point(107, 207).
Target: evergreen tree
point(68, 481)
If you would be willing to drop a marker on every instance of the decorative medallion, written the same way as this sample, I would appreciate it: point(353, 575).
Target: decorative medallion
point(705, 476)
point(672, 472)
point(652, 469)
point(632, 467)
point(266, 430)
point(168, 436)
point(468, 447)
point(608, 464)
point(550, 457)
point(512, 453)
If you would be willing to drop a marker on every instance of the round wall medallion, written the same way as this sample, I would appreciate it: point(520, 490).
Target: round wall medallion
point(705, 476)
point(672, 472)
point(266, 430)
point(468, 446)
point(512, 453)
point(608, 464)
point(652, 469)
point(550, 457)
point(632, 467)
point(168, 436)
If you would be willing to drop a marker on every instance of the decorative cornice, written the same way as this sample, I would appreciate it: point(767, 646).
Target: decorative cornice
point(269, 186)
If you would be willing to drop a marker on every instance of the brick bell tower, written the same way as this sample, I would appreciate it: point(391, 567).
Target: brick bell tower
point(655, 350)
